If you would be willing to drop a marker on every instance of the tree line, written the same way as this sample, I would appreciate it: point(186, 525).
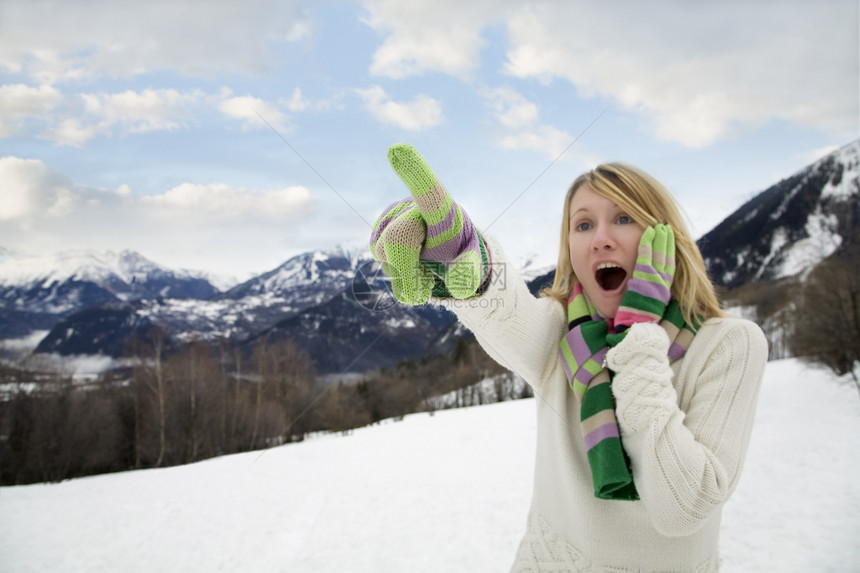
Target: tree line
point(826, 315)
point(815, 316)
point(180, 404)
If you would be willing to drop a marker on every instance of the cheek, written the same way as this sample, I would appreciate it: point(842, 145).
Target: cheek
point(633, 240)
point(577, 258)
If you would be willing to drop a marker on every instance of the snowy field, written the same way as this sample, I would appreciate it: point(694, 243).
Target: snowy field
point(447, 492)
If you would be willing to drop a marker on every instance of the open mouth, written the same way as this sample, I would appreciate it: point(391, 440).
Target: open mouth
point(610, 276)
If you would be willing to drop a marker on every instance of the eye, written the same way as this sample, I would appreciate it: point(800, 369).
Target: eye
point(625, 219)
point(582, 226)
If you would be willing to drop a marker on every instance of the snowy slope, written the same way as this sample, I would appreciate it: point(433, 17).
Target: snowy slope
point(790, 227)
point(447, 492)
point(846, 185)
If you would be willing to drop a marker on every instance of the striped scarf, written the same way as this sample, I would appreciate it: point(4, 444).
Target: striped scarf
point(583, 351)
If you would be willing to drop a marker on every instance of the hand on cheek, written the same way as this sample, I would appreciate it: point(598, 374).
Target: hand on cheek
point(649, 289)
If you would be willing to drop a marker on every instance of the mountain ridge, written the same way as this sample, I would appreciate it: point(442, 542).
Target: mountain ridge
point(781, 232)
point(68, 281)
point(789, 227)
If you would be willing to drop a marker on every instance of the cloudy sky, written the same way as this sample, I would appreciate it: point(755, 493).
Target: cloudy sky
point(229, 136)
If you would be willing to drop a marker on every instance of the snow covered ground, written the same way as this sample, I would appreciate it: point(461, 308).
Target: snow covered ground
point(447, 492)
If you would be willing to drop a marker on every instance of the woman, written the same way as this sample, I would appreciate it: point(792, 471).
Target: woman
point(645, 392)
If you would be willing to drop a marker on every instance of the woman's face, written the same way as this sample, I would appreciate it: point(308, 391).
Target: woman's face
point(604, 242)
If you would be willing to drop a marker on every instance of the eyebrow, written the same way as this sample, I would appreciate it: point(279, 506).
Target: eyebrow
point(587, 210)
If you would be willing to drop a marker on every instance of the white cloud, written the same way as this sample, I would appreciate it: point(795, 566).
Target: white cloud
point(30, 190)
point(72, 132)
point(142, 112)
point(74, 120)
point(230, 202)
point(298, 102)
point(420, 113)
point(543, 138)
point(696, 73)
point(700, 72)
point(215, 227)
point(19, 103)
point(89, 39)
point(519, 118)
point(255, 112)
point(89, 115)
point(439, 35)
point(511, 108)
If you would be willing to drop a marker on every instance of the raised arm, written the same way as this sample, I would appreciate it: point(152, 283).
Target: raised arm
point(429, 247)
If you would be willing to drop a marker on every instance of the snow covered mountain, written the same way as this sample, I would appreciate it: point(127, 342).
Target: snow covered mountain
point(104, 329)
point(791, 226)
point(363, 327)
point(320, 299)
point(36, 291)
point(243, 311)
point(302, 282)
point(345, 335)
point(69, 281)
point(334, 269)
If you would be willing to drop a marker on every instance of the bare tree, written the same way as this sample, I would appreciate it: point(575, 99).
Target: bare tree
point(136, 353)
point(827, 324)
point(285, 377)
point(261, 361)
point(157, 386)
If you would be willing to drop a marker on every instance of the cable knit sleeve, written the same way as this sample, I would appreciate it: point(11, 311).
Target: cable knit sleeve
point(686, 462)
point(517, 329)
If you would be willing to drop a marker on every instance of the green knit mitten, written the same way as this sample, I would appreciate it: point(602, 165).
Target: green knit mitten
point(427, 244)
point(649, 289)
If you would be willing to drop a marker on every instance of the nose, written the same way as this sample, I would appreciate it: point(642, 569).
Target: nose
point(603, 238)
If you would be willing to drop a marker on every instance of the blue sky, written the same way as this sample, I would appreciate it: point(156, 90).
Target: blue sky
point(137, 125)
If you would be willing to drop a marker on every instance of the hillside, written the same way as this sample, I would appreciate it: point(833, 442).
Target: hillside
point(790, 227)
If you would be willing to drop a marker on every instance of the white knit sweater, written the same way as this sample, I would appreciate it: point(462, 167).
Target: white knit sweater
point(685, 427)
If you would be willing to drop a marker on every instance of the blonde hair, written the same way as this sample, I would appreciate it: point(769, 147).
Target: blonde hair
point(648, 203)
